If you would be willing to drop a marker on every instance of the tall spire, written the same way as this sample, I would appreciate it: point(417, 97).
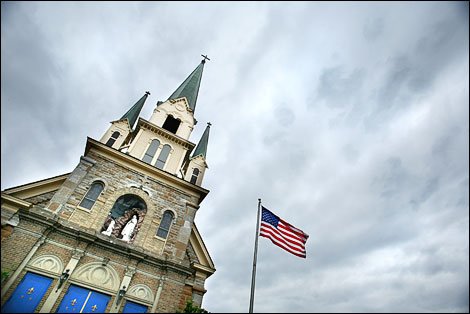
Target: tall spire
point(201, 148)
point(190, 87)
point(132, 114)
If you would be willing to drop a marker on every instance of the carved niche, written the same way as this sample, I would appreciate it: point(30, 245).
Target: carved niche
point(122, 211)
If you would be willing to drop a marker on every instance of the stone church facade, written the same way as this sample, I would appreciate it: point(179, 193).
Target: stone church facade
point(117, 234)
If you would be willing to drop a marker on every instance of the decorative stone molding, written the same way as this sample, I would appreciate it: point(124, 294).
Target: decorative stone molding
point(48, 263)
point(140, 291)
point(105, 261)
point(130, 271)
point(140, 187)
point(88, 159)
point(77, 254)
point(97, 275)
point(130, 190)
point(175, 215)
point(14, 220)
point(102, 180)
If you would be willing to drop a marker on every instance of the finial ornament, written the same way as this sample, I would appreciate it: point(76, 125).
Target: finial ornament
point(209, 124)
point(205, 58)
point(147, 93)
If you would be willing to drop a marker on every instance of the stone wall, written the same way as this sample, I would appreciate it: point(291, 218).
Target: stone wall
point(42, 199)
point(158, 197)
point(148, 261)
point(63, 245)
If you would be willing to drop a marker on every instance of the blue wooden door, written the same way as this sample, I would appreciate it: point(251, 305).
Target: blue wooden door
point(82, 300)
point(73, 300)
point(28, 294)
point(96, 303)
point(132, 307)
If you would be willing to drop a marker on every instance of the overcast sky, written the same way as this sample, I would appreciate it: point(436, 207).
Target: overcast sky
point(349, 120)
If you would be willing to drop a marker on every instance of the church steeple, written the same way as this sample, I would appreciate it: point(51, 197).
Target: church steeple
point(133, 114)
point(118, 133)
point(163, 141)
point(201, 148)
point(190, 87)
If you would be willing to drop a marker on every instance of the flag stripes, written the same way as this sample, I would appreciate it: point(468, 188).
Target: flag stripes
point(283, 234)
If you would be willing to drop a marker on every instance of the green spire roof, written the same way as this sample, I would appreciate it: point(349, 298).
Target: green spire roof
point(190, 87)
point(201, 148)
point(132, 114)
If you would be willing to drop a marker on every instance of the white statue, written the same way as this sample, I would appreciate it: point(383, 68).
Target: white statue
point(128, 229)
point(110, 228)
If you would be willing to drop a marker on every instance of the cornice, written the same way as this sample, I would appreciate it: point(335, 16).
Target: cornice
point(142, 123)
point(45, 185)
point(203, 269)
point(15, 201)
point(45, 218)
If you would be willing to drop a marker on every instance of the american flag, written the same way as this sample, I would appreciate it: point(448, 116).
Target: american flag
point(283, 234)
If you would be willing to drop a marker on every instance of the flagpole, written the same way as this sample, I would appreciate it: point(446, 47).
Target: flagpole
point(253, 274)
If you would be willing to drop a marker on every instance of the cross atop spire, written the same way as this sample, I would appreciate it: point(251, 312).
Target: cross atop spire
point(205, 58)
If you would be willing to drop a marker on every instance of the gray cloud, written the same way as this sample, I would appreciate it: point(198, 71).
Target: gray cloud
point(336, 87)
point(373, 29)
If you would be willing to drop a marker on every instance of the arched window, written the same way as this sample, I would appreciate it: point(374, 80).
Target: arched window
point(165, 224)
point(92, 195)
point(194, 176)
point(163, 156)
point(151, 151)
point(112, 139)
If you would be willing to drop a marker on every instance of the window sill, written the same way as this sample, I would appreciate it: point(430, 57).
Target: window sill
point(84, 209)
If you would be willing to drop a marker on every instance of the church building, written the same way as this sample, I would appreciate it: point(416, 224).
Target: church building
point(117, 234)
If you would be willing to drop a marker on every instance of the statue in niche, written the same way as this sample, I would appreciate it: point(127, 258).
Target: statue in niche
point(110, 228)
point(121, 214)
point(129, 229)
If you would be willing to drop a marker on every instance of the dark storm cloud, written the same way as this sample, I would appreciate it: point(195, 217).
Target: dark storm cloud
point(349, 120)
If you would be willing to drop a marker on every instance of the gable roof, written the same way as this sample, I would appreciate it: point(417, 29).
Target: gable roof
point(205, 264)
point(36, 188)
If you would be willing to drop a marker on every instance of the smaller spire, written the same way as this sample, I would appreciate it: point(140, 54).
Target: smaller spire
point(201, 148)
point(132, 114)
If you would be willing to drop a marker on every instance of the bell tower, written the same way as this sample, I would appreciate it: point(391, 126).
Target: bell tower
point(119, 228)
point(163, 140)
